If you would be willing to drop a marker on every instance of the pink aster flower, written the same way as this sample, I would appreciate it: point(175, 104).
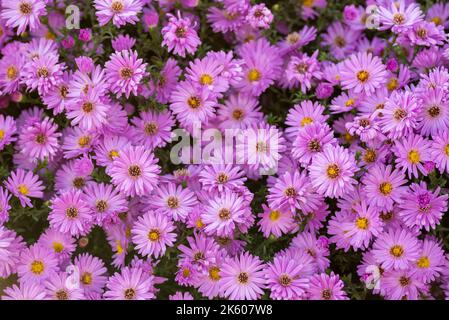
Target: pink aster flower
point(326, 287)
point(109, 149)
point(125, 72)
point(399, 115)
point(173, 201)
point(56, 288)
point(40, 140)
point(56, 97)
point(399, 16)
point(24, 184)
point(303, 70)
point(8, 130)
point(89, 111)
point(302, 115)
point(36, 264)
point(412, 151)
point(402, 284)
point(221, 177)
point(129, 284)
point(11, 68)
point(207, 73)
point(341, 39)
point(70, 213)
point(153, 233)
point(43, 73)
point(180, 35)
point(223, 213)
point(135, 171)
point(92, 273)
point(11, 246)
point(61, 244)
point(396, 249)
point(25, 291)
point(23, 14)
point(363, 73)
point(440, 151)
point(201, 252)
point(431, 261)
point(153, 129)
point(167, 81)
point(123, 42)
point(242, 277)
point(384, 186)
point(120, 12)
point(316, 248)
point(434, 115)
point(259, 16)
point(332, 170)
point(422, 207)
point(275, 222)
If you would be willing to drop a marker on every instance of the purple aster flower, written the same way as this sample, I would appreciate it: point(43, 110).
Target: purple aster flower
point(180, 35)
point(332, 170)
point(129, 284)
point(92, 273)
point(426, 34)
point(11, 69)
point(120, 12)
point(399, 16)
point(24, 184)
point(363, 73)
point(434, 115)
point(36, 264)
point(168, 79)
point(105, 202)
point(153, 129)
point(302, 70)
point(302, 115)
point(124, 72)
point(326, 287)
point(68, 179)
point(221, 177)
point(109, 149)
point(296, 40)
point(431, 261)
point(61, 244)
point(123, 42)
point(242, 277)
point(56, 288)
point(317, 249)
point(43, 73)
point(25, 291)
point(22, 14)
point(341, 39)
point(135, 171)
point(412, 151)
point(89, 111)
point(207, 73)
point(8, 130)
point(440, 151)
point(259, 16)
point(153, 233)
point(422, 207)
point(11, 247)
point(402, 284)
point(70, 214)
point(56, 97)
point(396, 249)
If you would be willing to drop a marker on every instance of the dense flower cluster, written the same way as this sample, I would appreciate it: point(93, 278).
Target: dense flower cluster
point(356, 98)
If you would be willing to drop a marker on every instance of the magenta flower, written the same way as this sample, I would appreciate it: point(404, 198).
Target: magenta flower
point(120, 12)
point(129, 284)
point(153, 129)
point(326, 287)
point(24, 184)
point(22, 14)
point(36, 264)
point(8, 130)
point(92, 273)
point(180, 35)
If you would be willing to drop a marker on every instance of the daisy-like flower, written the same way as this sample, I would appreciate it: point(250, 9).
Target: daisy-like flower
point(11, 67)
point(11, 246)
point(135, 171)
point(109, 149)
point(70, 213)
point(399, 115)
point(124, 72)
point(180, 35)
point(105, 202)
point(129, 284)
point(240, 111)
point(77, 141)
point(402, 284)
point(332, 170)
point(36, 264)
point(167, 81)
point(223, 213)
point(302, 115)
point(56, 97)
point(242, 277)
point(434, 115)
point(426, 34)
point(43, 73)
point(67, 178)
point(422, 207)
point(123, 42)
point(4, 205)
point(259, 16)
point(341, 39)
point(326, 287)
point(57, 289)
point(25, 291)
point(396, 249)
point(153, 129)
point(384, 186)
point(400, 16)
point(292, 192)
point(22, 14)
point(192, 104)
point(8, 130)
point(120, 12)
point(302, 70)
point(366, 225)
point(311, 141)
point(412, 152)
point(61, 244)
point(207, 73)
point(439, 151)
point(296, 40)
point(92, 273)
point(317, 249)
point(431, 260)
point(173, 201)
point(40, 140)
point(286, 278)
point(24, 184)
point(153, 233)
point(221, 177)
point(363, 73)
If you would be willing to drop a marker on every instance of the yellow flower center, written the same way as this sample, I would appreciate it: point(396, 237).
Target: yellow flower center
point(436, 20)
point(58, 247)
point(333, 171)
point(206, 79)
point(119, 247)
point(11, 72)
point(2, 134)
point(86, 278)
point(199, 224)
point(37, 267)
point(413, 156)
point(307, 3)
point(154, 235)
point(363, 75)
point(23, 189)
point(392, 84)
point(113, 154)
point(446, 150)
point(385, 188)
point(214, 273)
point(117, 6)
point(83, 141)
point(396, 251)
point(185, 272)
point(362, 223)
point(275, 215)
point(350, 103)
point(253, 75)
point(423, 262)
point(305, 121)
point(194, 102)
